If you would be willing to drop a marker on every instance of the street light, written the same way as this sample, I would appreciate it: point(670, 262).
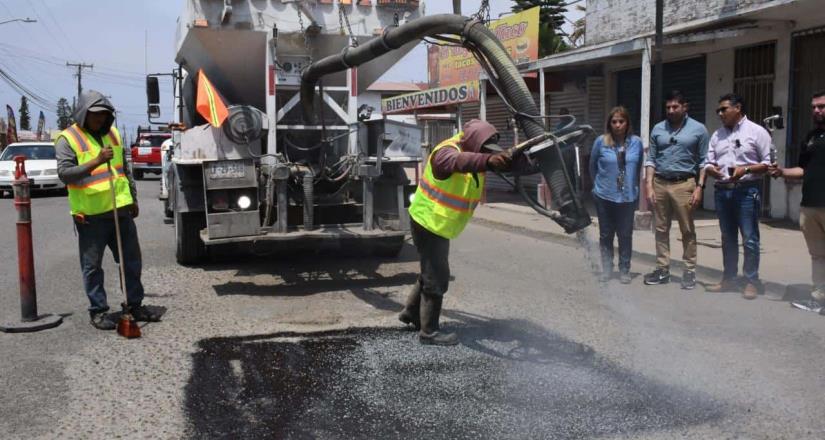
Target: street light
point(24, 20)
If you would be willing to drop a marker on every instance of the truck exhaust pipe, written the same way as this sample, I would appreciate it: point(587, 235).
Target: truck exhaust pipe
point(481, 41)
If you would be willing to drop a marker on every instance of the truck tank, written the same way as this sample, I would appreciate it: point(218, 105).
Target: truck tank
point(267, 177)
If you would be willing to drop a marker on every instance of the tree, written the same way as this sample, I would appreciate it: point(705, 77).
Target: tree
point(577, 37)
point(64, 114)
point(25, 118)
point(551, 18)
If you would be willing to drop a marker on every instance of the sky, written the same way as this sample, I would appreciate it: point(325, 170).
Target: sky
point(123, 40)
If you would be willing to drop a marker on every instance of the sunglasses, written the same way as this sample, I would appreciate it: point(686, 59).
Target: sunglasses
point(722, 109)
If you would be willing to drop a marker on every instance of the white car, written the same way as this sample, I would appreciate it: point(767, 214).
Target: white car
point(41, 166)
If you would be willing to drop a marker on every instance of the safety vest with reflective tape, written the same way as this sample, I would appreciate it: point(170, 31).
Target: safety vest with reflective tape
point(90, 195)
point(444, 207)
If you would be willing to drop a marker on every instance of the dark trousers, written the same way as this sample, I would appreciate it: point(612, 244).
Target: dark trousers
point(615, 219)
point(93, 237)
point(738, 210)
point(434, 252)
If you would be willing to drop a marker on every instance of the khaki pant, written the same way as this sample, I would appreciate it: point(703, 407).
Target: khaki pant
point(812, 223)
point(673, 200)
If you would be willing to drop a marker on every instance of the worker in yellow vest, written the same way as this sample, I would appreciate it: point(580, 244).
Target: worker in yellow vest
point(88, 153)
point(447, 194)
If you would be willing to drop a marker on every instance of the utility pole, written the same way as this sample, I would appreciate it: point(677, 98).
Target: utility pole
point(79, 74)
point(658, 74)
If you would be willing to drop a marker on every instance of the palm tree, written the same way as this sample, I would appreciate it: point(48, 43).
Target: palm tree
point(577, 37)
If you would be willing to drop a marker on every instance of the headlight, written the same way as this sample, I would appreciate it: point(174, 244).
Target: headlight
point(50, 172)
point(244, 202)
point(5, 173)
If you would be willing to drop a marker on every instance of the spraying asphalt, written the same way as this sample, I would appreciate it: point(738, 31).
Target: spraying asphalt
point(308, 346)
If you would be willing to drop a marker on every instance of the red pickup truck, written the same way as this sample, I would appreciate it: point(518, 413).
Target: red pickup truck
point(146, 152)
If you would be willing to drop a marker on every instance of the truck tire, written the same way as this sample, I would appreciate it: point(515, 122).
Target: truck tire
point(189, 249)
point(167, 208)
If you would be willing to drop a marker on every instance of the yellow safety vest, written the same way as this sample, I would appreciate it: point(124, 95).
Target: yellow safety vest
point(444, 207)
point(90, 195)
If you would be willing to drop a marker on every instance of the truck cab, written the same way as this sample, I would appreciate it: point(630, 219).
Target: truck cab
point(145, 152)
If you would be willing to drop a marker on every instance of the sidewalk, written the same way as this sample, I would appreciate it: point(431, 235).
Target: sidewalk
point(785, 265)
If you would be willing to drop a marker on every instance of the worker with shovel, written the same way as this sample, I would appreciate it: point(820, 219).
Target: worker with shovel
point(102, 197)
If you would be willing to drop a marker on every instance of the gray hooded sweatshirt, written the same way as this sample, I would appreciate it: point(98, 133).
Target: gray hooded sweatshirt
point(68, 169)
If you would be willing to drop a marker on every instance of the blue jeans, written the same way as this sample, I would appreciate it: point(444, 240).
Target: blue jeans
point(93, 238)
point(738, 210)
point(615, 219)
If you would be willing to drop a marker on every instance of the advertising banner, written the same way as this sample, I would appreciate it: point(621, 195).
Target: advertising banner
point(11, 127)
point(453, 94)
point(519, 33)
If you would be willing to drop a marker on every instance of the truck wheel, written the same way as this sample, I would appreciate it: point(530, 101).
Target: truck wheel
point(138, 175)
point(189, 249)
point(167, 209)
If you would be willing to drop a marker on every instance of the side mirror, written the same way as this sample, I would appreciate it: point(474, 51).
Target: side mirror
point(152, 90)
point(153, 111)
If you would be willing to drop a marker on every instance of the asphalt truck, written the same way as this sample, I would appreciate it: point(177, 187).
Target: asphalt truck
point(295, 163)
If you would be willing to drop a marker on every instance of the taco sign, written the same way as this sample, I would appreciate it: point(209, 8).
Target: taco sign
point(454, 94)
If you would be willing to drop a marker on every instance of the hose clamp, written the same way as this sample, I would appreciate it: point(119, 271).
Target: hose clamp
point(344, 57)
point(468, 25)
point(383, 39)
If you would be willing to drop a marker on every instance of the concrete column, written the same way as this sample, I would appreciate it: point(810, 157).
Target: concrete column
point(644, 123)
point(781, 206)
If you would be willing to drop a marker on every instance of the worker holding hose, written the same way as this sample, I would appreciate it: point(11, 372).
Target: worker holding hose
point(88, 153)
point(447, 194)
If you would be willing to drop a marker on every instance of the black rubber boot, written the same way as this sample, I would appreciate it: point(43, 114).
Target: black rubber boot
point(430, 333)
point(411, 315)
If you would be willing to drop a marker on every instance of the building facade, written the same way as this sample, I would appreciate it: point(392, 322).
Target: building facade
point(769, 51)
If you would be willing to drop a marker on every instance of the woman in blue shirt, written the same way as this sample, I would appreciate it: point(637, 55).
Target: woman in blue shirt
point(615, 164)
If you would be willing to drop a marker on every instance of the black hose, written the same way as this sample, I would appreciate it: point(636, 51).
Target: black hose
point(479, 38)
point(309, 200)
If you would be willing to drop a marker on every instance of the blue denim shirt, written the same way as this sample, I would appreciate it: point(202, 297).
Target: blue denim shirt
point(604, 168)
point(674, 151)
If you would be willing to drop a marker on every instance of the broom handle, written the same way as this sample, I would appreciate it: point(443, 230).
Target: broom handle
point(117, 231)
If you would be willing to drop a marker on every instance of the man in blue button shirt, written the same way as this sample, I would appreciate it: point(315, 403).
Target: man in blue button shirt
point(675, 177)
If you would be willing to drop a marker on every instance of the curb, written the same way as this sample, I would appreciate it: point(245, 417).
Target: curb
point(774, 291)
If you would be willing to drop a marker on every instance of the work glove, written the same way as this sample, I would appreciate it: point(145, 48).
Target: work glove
point(134, 210)
point(105, 155)
point(499, 161)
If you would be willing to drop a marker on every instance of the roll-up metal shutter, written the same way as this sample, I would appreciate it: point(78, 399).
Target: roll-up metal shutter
point(807, 64)
point(687, 76)
point(595, 102)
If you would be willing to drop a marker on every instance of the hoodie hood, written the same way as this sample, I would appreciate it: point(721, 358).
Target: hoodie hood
point(88, 100)
point(476, 132)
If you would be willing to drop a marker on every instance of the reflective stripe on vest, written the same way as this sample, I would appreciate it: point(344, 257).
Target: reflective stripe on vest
point(444, 207)
point(91, 194)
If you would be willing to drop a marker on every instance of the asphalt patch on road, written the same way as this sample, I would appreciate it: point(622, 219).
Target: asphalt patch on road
point(507, 379)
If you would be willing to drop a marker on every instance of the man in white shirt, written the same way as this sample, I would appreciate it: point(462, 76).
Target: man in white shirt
point(738, 155)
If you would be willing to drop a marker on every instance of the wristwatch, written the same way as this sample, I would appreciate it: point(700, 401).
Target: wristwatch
point(747, 170)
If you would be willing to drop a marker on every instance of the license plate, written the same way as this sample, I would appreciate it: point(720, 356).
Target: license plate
point(143, 151)
point(227, 170)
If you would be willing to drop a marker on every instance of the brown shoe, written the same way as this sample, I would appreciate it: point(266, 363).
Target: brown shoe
point(750, 291)
point(723, 286)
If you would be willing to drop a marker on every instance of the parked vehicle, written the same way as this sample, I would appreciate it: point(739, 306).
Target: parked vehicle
point(146, 156)
point(41, 166)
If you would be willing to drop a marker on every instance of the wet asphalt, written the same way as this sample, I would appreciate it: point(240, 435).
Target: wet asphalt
point(307, 346)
